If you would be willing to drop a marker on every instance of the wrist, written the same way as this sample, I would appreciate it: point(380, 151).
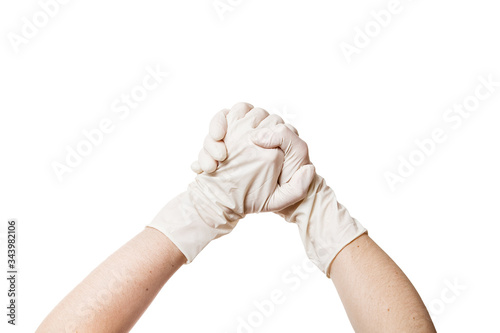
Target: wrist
point(301, 210)
point(325, 226)
point(192, 220)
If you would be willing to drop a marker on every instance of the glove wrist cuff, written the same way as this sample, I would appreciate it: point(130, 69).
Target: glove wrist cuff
point(325, 226)
point(191, 221)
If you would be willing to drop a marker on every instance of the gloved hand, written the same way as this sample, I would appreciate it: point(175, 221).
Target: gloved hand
point(246, 182)
point(325, 226)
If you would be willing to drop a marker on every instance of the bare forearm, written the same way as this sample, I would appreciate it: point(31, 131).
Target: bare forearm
point(377, 295)
point(114, 296)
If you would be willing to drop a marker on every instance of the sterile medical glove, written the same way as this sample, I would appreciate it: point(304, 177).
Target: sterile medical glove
point(245, 182)
point(325, 226)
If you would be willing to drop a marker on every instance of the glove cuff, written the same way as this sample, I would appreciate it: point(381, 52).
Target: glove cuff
point(192, 220)
point(325, 226)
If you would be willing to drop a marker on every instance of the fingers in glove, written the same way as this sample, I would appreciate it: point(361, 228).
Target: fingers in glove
point(271, 121)
point(238, 111)
point(218, 125)
point(207, 163)
point(196, 167)
point(216, 149)
point(293, 191)
point(293, 129)
point(256, 116)
point(278, 136)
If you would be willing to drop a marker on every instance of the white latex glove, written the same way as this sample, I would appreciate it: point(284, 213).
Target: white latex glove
point(325, 226)
point(214, 149)
point(246, 182)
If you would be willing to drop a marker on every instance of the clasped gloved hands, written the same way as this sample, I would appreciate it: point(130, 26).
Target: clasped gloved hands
point(245, 182)
point(252, 162)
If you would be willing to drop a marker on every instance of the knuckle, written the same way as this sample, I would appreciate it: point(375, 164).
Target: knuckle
point(242, 105)
point(221, 153)
point(260, 111)
point(277, 119)
point(302, 146)
point(281, 129)
point(301, 192)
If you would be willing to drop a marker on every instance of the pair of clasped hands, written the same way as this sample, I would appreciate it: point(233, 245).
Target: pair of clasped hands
point(253, 162)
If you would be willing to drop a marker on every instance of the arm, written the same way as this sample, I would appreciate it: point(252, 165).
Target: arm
point(377, 295)
point(115, 295)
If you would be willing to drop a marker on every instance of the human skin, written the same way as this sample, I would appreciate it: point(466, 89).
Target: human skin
point(376, 294)
point(114, 296)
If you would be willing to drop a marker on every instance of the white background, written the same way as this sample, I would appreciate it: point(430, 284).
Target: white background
point(441, 225)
